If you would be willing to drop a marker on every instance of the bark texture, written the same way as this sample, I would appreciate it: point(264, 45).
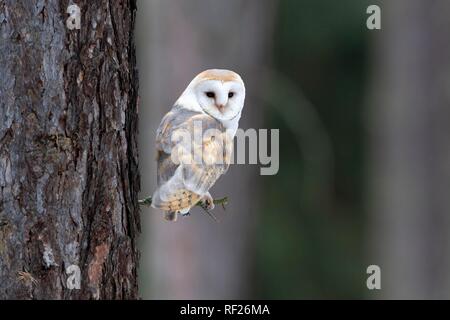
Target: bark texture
point(68, 155)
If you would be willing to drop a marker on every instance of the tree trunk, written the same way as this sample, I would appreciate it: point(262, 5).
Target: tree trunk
point(411, 155)
point(68, 154)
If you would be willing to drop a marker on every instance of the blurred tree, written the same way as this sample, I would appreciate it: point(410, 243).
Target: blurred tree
point(311, 239)
point(68, 153)
point(197, 258)
point(410, 154)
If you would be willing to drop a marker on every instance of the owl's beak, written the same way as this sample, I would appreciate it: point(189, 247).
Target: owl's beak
point(221, 107)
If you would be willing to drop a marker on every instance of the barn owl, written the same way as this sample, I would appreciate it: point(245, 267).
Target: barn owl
point(195, 139)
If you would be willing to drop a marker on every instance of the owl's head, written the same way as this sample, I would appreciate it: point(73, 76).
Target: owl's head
point(219, 93)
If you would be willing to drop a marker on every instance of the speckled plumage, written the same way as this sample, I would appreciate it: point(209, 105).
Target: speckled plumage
point(193, 147)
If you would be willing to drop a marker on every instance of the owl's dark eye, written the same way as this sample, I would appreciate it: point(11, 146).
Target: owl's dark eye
point(230, 95)
point(210, 94)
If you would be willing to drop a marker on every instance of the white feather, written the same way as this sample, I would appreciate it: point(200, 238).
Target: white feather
point(225, 108)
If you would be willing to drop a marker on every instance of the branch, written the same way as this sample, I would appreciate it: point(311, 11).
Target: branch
point(147, 202)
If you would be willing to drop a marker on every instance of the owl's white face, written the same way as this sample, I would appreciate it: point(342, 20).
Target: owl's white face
point(219, 93)
point(221, 100)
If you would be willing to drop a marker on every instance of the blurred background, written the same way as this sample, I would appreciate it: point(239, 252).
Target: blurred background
point(364, 155)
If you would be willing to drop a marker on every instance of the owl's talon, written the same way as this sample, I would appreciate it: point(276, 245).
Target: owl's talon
point(209, 205)
point(208, 202)
point(187, 214)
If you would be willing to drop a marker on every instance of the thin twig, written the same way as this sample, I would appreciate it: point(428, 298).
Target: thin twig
point(209, 213)
point(147, 202)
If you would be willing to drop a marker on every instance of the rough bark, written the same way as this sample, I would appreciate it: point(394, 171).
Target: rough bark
point(411, 155)
point(68, 155)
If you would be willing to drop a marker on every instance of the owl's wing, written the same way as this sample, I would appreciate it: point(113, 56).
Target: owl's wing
point(189, 162)
point(215, 149)
point(173, 121)
point(172, 125)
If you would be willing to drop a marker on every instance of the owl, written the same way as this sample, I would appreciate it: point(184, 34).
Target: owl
point(194, 141)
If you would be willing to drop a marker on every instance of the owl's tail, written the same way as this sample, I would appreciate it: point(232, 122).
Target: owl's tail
point(171, 216)
point(178, 202)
